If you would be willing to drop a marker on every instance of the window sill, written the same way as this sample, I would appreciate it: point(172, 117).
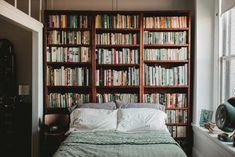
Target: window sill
point(225, 146)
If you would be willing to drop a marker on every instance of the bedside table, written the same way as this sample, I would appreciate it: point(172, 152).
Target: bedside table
point(51, 142)
point(53, 133)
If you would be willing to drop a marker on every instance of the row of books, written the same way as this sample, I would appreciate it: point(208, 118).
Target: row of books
point(127, 98)
point(68, 37)
point(177, 131)
point(169, 100)
point(68, 54)
point(68, 21)
point(117, 21)
point(117, 56)
point(67, 76)
point(161, 76)
point(58, 100)
point(108, 77)
point(165, 22)
point(177, 116)
point(166, 54)
point(165, 37)
point(116, 38)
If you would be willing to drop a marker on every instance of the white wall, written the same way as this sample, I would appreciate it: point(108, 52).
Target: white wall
point(204, 49)
point(121, 4)
point(204, 73)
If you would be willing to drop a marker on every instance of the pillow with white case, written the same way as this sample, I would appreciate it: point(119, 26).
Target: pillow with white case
point(87, 119)
point(141, 119)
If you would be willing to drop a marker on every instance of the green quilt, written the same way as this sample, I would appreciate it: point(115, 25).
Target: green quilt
point(116, 144)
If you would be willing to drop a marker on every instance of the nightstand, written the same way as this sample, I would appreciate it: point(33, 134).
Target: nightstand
point(53, 133)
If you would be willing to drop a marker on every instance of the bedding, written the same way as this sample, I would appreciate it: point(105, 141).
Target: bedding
point(120, 104)
point(107, 106)
point(157, 143)
point(87, 119)
point(136, 119)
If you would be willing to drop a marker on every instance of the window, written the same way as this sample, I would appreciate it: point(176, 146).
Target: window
point(228, 55)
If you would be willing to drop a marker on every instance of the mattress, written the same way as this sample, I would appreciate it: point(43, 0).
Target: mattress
point(119, 144)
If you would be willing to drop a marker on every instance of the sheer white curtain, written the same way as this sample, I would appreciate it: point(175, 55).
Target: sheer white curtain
point(226, 5)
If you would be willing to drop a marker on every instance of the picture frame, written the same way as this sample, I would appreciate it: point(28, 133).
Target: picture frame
point(205, 117)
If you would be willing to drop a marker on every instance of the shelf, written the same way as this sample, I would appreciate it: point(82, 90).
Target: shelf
point(173, 87)
point(166, 61)
point(68, 45)
point(117, 30)
point(124, 45)
point(166, 29)
point(70, 29)
point(164, 45)
point(117, 65)
point(117, 87)
point(69, 63)
point(139, 90)
point(69, 87)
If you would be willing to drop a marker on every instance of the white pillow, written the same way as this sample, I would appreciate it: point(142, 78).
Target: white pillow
point(86, 119)
point(141, 119)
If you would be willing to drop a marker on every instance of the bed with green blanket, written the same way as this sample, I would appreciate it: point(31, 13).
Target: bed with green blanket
point(118, 144)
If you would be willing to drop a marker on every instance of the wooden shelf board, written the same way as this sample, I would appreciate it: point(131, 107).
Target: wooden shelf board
point(164, 45)
point(70, 29)
point(117, 65)
point(69, 87)
point(123, 45)
point(117, 87)
point(165, 61)
point(69, 63)
point(117, 29)
point(166, 29)
point(156, 87)
point(68, 45)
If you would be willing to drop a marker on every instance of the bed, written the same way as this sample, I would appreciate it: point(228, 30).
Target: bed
point(119, 133)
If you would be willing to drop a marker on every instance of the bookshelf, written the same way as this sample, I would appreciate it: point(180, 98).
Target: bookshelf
point(135, 56)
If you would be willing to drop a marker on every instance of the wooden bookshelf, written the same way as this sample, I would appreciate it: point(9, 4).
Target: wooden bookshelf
point(158, 40)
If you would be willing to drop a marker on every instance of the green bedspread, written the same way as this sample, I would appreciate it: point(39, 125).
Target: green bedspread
point(116, 144)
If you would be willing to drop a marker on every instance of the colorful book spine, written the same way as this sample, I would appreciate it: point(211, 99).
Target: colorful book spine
point(68, 37)
point(165, 37)
point(176, 116)
point(68, 21)
point(117, 56)
point(110, 77)
point(117, 38)
point(117, 21)
point(165, 22)
point(169, 100)
point(124, 97)
point(161, 76)
point(58, 100)
point(166, 54)
point(68, 54)
point(67, 76)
